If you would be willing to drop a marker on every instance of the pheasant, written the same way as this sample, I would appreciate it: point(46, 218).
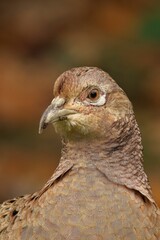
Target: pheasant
point(99, 191)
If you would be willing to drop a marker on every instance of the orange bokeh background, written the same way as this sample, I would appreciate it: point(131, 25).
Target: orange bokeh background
point(41, 39)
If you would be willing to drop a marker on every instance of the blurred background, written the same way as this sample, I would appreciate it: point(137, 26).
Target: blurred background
point(41, 39)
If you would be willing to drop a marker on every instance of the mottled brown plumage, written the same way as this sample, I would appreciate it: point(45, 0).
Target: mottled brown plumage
point(100, 189)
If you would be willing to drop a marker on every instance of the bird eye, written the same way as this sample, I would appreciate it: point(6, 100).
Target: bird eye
point(93, 95)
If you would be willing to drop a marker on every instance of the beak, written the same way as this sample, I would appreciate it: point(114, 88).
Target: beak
point(54, 112)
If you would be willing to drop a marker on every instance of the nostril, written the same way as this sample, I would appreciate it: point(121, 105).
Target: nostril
point(58, 102)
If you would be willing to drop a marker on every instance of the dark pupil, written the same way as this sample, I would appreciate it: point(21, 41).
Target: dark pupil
point(93, 94)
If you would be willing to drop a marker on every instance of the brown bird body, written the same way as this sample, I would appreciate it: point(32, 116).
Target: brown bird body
point(100, 189)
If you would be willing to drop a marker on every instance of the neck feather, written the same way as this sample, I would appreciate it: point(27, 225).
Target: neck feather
point(120, 158)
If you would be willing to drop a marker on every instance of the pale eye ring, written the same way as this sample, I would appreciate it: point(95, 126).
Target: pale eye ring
point(93, 95)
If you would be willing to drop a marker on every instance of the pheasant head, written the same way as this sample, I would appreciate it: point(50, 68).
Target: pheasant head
point(87, 103)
